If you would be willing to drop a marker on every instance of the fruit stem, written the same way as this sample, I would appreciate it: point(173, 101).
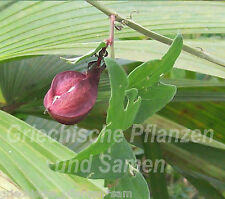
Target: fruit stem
point(110, 41)
point(100, 56)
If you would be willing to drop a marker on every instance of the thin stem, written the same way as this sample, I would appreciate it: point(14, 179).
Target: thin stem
point(100, 56)
point(153, 35)
point(111, 35)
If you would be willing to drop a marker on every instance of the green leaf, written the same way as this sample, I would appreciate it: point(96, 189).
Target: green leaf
point(119, 114)
point(25, 158)
point(149, 72)
point(153, 99)
point(83, 57)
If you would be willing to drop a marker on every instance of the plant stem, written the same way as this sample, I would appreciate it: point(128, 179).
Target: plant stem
point(153, 35)
point(111, 35)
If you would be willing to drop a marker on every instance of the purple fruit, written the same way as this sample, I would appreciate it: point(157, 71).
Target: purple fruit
point(72, 95)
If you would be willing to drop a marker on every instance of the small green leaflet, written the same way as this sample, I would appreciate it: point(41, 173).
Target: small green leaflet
point(148, 73)
point(154, 99)
point(76, 60)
